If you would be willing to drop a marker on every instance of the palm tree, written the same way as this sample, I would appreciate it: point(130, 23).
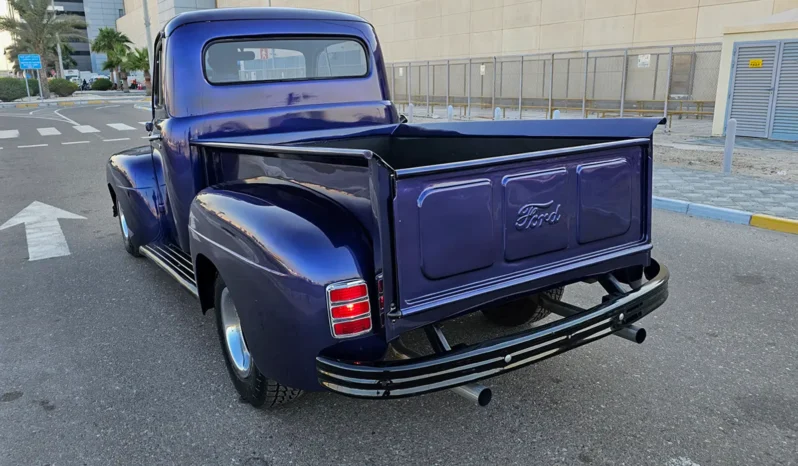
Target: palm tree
point(114, 45)
point(139, 60)
point(35, 27)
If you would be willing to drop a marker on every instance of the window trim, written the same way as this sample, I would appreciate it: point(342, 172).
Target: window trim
point(286, 37)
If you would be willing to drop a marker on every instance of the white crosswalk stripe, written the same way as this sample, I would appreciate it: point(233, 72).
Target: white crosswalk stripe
point(143, 122)
point(9, 134)
point(121, 126)
point(48, 131)
point(86, 129)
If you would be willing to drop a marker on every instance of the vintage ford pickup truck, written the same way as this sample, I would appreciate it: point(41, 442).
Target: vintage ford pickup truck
point(282, 190)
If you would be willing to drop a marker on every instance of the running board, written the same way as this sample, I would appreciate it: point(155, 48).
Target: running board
point(174, 261)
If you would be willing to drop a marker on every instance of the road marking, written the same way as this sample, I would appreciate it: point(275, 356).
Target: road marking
point(48, 131)
point(9, 134)
point(86, 129)
point(117, 139)
point(37, 110)
point(31, 145)
point(145, 137)
point(74, 142)
point(67, 119)
point(106, 106)
point(121, 126)
point(42, 230)
point(143, 122)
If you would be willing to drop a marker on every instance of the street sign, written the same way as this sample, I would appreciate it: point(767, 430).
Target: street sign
point(30, 62)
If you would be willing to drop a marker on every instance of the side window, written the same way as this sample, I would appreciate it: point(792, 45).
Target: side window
point(157, 72)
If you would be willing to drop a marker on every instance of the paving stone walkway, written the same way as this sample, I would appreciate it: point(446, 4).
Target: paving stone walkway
point(755, 195)
point(748, 143)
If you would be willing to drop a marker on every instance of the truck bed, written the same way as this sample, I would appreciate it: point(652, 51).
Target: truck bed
point(467, 214)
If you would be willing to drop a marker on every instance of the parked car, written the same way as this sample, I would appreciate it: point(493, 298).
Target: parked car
point(281, 189)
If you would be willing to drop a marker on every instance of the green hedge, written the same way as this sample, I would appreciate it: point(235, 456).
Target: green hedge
point(101, 84)
point(62, 87)
point(12, 89)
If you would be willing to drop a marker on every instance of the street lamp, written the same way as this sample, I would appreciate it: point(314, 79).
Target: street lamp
point(54, 8)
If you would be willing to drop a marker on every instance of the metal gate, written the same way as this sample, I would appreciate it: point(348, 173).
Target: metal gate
point(751, 94)
point(785, 114)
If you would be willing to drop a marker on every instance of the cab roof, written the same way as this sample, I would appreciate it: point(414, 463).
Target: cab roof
point(265, 13)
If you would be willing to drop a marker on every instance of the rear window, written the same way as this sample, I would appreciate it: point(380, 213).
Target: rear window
point(253, 60)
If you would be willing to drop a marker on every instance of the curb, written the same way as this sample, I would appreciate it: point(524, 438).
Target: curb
point(68, 103)
point(740, 217)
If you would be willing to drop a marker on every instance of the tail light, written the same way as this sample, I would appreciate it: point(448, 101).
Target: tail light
point(380, 294)
point(349, 308)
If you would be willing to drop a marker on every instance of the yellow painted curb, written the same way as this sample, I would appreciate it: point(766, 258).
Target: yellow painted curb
point(27, 105)
point(774, 223)
point(94, 102)
point(66, 104)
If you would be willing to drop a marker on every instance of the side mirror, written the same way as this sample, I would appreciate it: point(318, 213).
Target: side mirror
point(148, 126)
point(402, 118)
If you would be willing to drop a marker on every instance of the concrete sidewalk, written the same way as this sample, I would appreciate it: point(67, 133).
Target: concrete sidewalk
point(733, 198)
point(729, 191)
point(82, 99)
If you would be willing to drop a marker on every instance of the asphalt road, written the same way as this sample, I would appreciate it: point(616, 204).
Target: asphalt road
point(104, 360)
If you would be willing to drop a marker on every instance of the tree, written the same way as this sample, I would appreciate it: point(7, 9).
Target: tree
point(139, 60)
point(115, 45)
point(35, 28)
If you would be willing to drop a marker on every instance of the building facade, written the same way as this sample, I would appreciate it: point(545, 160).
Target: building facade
point(101, 14)
point(443, 29)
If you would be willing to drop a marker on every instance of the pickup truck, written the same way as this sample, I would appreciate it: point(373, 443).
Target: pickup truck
point(282, 189)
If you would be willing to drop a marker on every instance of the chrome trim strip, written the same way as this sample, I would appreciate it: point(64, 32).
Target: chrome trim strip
point(513, 158)
point(235, 254)
point(188, 285)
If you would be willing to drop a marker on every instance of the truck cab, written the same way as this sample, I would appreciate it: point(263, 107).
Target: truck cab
point(281, 188)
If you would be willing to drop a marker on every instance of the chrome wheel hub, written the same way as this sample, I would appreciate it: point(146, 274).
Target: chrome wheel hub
point(123, 226)
point(235, 345)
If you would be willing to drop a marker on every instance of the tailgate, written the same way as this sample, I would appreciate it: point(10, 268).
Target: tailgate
point(471, 228)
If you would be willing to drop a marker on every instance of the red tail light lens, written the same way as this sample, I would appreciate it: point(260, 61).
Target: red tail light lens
point(381, 297)
point(348, 294)
point(349, 308)
point(352, 327)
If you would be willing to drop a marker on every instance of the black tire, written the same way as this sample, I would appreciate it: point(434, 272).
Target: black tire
point(522, 311)
point(254, 388)
point(130, 246)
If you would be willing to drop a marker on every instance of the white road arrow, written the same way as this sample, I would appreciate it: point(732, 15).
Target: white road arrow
point(45, 238)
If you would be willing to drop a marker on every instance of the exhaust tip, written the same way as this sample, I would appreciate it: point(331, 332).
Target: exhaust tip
point(484, 397)
point(640, 336)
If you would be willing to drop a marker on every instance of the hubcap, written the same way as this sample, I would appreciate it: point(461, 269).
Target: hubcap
point(236, 347)
point(123, 225)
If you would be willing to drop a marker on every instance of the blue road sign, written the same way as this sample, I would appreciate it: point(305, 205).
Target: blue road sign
point(30, 62)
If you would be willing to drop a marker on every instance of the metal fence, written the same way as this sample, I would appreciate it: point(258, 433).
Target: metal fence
point(678, 82)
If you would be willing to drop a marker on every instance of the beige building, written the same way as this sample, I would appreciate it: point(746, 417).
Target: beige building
point(5, 41)
point(436, 29)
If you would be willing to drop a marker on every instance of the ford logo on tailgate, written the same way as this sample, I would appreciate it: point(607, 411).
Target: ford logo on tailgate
point(535, 215)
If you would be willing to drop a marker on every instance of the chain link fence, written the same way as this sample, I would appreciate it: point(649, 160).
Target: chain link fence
point(678, 82)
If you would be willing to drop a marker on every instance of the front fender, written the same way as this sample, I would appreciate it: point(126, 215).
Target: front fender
point(277, 245)
point(132, 180)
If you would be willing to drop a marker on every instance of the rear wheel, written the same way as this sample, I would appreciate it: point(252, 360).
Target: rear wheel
point(522, 311)
point(253, 386)
point(127, 239)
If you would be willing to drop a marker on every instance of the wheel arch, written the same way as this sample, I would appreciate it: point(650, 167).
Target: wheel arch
point(277, 247)
point(205, 272)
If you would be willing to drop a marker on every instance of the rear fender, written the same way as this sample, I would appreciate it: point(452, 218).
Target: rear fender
point(132, 181)
point(277, 245)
